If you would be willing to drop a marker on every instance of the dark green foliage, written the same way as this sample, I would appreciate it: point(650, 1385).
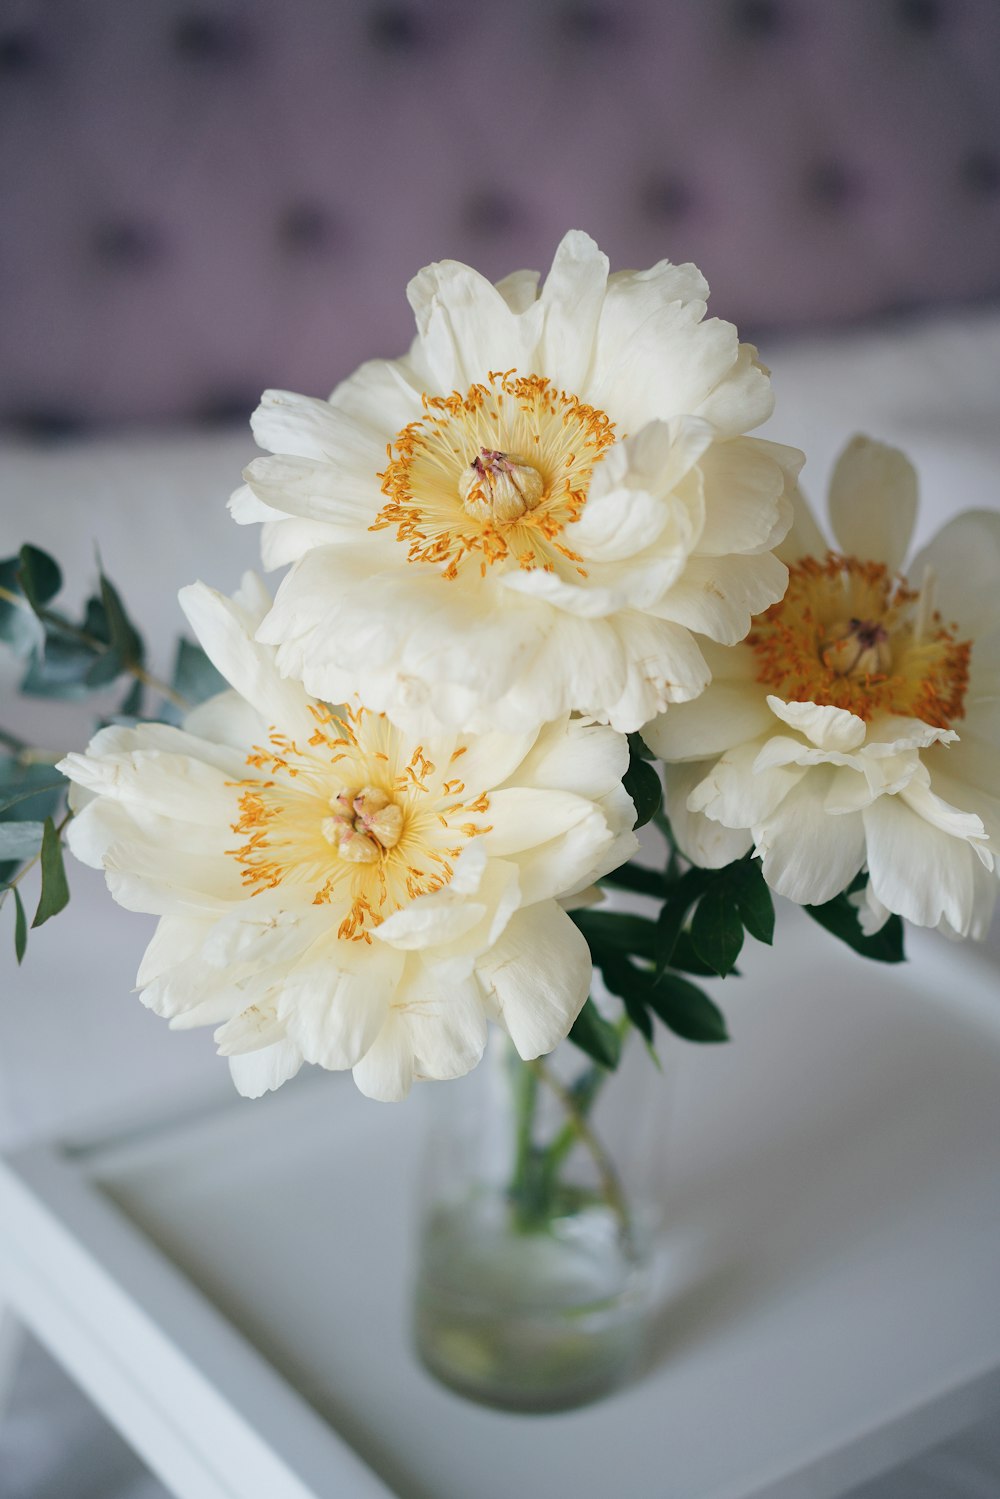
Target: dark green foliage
point(642, 782)
point(596, 1036)
point(55, 890)
point(194, 677)
point(840, 917)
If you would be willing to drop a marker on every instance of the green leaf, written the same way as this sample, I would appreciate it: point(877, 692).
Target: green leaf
point(20, 840)
point(596, 1036)
point(716, 929)
point(687, 960)
point(631, 984)
point(642, 783)
point(673, 913)
point(195, 678)
point(618, 931)
point(20, 927)
point(840, 917)
point(59, 670)
point(38, 575)
point(55, 890)
point(125, 641)
point(18, 626)
point(636, 877)
point(638, 748)
point(131, 703)
point(687, 1010)
point(21, 783)
point(754, 901)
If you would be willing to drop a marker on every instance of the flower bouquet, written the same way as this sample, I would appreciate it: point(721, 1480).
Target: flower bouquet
point(379, 816)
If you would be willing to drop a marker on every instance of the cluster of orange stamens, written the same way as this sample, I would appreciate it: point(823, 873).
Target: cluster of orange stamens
point(287, 814)
point(559, 435)
point(852, 635)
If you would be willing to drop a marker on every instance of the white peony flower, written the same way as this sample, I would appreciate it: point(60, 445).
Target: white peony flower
point(533, 510)
point(857, 727)
point(332, 890)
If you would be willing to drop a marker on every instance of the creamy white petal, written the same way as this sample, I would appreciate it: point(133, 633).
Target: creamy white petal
point(917, 870)
point(385, 1072)
point(728, 715)
point(537, 977)
point(571, 301)
point(260, 1072)
point(332, 1015)
point(806, 854)
point(223, 633)
point(718, 596)
point(707, 843)
point(826, 727)
point(873, 502)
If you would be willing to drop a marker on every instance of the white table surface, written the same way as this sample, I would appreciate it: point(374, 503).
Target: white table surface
point(834, 1211)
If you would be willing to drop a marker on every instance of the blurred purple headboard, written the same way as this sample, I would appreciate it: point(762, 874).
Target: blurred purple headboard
point(203, 197)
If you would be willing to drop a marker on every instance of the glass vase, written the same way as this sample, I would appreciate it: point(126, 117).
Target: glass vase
point(540, 1227)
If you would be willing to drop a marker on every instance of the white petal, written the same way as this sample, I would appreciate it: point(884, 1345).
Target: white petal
point(717, 596)
point(519, 290)
point(917, 870)
point(259, 1072)
point(826, 727)
point(575, 755)
point(345, 496)
point(726, 714)
point(743, 484)
point(804, 539)
point(385, 1072)
point(445, 1020)
point(252, 1029)
point(806, 853)
point(738, 792)
point(537, 977)
point(227, 718)
point(743, 398)
point(225, 635)
point(873, 502)
point(334, 1015)
point(706, 843)
point(571, 301)
point(964, 557)
point(464, 325)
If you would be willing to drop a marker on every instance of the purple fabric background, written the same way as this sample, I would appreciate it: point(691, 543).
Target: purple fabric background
point(203, 198)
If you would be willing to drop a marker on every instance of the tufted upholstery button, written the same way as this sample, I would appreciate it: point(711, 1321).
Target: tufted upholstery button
point(20, 52)
point(981, 173)
point(491, 211)
point(589, 24)
point(47, 424)
point(757, 18)
point(666, 199)
point(127, 245)
point(828, 184)
point(395, 29)
point(306, 227)
point(210, 39)
point(920, 15)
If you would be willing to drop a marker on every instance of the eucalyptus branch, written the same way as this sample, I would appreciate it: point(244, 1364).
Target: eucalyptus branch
point(99, 647)
point(60, 828)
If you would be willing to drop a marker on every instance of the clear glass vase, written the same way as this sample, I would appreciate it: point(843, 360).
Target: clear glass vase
point(540, 1227)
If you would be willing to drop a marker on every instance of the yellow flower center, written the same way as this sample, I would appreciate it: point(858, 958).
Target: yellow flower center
point(852, 635)
point(494, 476)
point(355, 819)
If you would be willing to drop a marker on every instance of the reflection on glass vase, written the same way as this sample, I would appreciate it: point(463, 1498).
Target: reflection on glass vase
point(540, 1227)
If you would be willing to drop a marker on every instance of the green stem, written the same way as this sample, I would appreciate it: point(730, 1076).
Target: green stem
point(611, 1188)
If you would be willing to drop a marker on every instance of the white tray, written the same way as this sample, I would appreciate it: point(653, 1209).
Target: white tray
point(834, 1204)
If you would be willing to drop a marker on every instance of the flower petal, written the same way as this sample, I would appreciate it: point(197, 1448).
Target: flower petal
point(873, 502)
point(807, 854)
point(537, 977)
